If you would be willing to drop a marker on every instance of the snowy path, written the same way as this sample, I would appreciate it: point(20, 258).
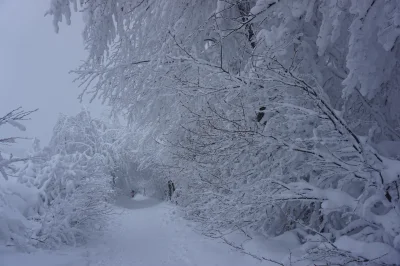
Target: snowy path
point(145, 232)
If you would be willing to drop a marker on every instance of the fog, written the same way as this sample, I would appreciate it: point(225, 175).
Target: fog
point(34, 66)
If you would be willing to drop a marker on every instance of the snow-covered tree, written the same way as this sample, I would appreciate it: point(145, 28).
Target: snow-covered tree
point(269, 114)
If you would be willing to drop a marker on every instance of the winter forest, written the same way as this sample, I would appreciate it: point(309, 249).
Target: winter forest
point(278, 122)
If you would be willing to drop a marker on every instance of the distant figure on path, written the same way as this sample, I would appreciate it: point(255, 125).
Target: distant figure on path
point(171, 189)
point(132, 193)
point(260, 115)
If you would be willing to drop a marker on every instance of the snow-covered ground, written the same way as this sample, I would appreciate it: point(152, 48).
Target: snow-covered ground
point(142, 231)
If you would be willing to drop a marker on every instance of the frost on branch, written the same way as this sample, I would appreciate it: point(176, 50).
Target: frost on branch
point(13, 118)
point(14, 226)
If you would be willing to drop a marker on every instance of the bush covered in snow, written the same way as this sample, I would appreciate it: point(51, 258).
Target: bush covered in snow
point(60, 194)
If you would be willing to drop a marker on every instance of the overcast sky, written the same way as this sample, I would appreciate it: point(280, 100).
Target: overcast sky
point(34, 65)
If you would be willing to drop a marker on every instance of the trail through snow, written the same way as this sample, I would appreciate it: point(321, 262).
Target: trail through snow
point(143, 232)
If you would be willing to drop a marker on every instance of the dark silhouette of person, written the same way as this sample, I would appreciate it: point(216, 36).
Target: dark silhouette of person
point(171, 189)
point(260, 114)
point(132, 193)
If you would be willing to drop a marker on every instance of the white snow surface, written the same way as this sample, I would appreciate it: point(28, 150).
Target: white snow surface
point(142, 231)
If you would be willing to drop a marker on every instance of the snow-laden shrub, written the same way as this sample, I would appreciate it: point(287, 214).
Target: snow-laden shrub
point(15, 228)
point(75, 175)
point(60, 195)
point(75, 189)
